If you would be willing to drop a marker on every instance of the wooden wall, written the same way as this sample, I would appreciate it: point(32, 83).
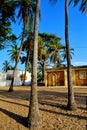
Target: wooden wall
point(55, 78)
point(81, 77)
point(59, 77)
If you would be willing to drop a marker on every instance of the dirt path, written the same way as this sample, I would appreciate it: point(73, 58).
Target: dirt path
point(52, 104)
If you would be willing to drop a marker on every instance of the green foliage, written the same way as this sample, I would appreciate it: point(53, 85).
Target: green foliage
point(48, 37)
point(6, 35)
point(26, 9)
point(39, 77)
point(6, 15)
point(13, 52)
point(64, 53)
point(6, 66)
point(7, 10)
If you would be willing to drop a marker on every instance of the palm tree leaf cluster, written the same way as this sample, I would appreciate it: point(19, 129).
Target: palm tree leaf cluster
point(13, 52)
point(83, 4)
point(7, 10)
point(49, 46)
point(7, 14)
point(6, 66)
point(26, 9)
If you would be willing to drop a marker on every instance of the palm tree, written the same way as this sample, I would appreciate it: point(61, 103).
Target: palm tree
point(14, 57)
point(13, 52)
point(71, 101)
point(48, 45)
point(42, 56)
point(34, 119)
point(24, 11)
point(54, 49)
point(6, 66)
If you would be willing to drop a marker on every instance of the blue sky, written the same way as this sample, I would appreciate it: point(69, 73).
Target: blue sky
point(53, 21)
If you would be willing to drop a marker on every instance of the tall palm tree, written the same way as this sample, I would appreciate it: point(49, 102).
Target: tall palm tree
point(71, 101)
point(24, 11)
point(6, 66)
point(34, 119)
point(24, 22)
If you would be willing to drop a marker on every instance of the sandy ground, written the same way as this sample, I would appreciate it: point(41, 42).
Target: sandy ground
point(52, 104)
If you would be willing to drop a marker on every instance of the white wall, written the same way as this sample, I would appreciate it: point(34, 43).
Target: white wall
point(17, 80)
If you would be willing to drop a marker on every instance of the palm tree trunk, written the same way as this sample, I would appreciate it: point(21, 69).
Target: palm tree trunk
point(71, 101)
point(43, 71)
point(34, 120)
point(16, 63)
point(28, 55)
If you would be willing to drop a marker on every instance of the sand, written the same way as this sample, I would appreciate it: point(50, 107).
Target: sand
point(14, 107)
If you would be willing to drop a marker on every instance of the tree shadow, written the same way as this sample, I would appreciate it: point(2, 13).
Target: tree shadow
point(40, 102)
point(18, 118)
point(48, 94)
point(46, 97)
point(23, 120)
point(14, 103)
point(17, 94)
point(62, 106)
point(65, 114)
point(81, 98)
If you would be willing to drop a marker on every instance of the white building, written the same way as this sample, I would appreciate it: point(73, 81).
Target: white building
point(5, 78)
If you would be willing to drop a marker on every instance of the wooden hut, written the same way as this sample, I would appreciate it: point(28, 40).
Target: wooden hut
point(58, 76)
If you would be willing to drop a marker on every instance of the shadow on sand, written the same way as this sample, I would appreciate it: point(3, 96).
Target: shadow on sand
point(23, 120)
point(20, 119)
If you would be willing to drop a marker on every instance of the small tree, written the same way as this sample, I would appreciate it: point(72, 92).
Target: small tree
point(6, 66)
